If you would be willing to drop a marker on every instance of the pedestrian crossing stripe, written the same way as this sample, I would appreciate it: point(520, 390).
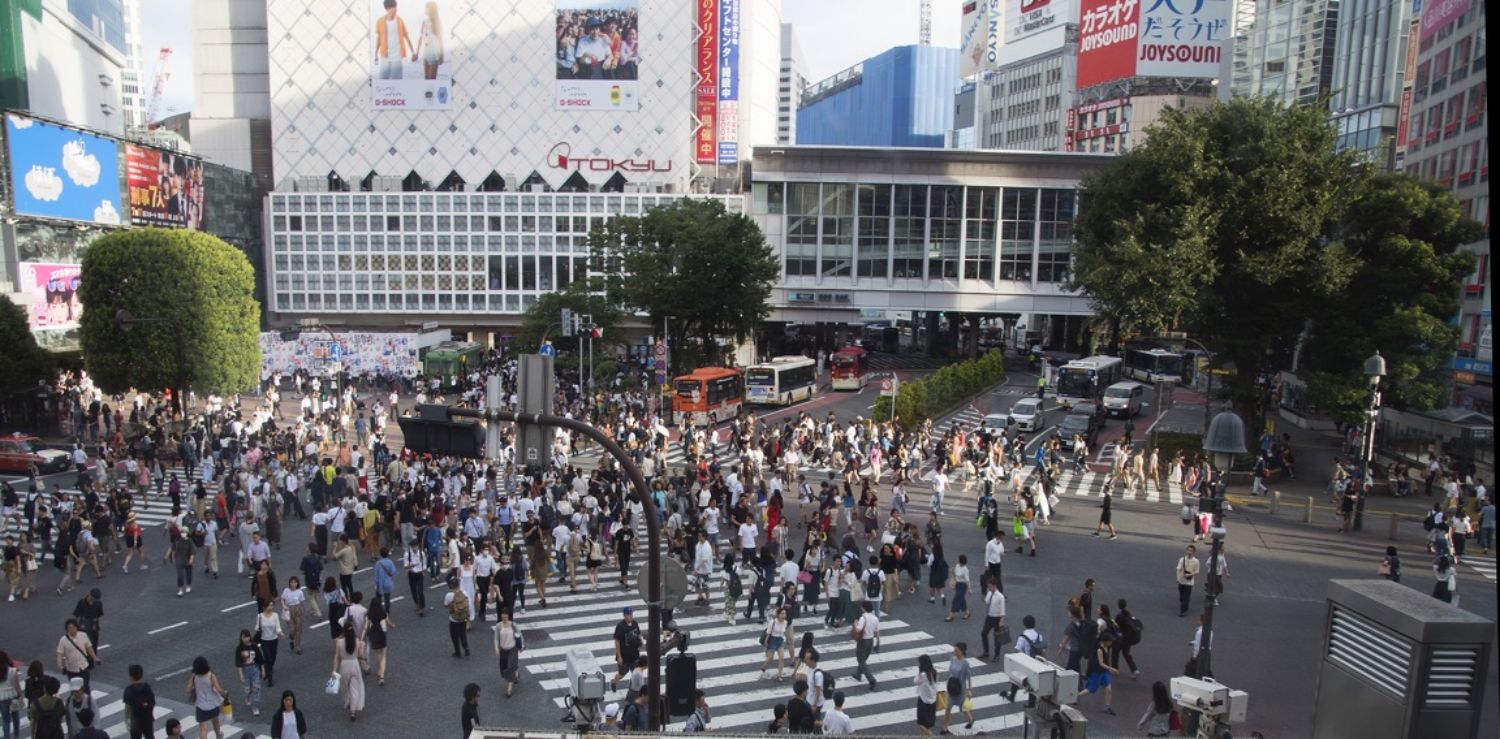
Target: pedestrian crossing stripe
point(728, 668)
point(110, 705)
point(1484, 564)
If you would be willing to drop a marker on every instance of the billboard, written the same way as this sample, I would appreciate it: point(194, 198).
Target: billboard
point(1024, 18)
point(994, 34)
point(411, 68)
point(1154, 38)
point(705, 140)
point(598, 55)
point(1439, 13)
point(972, 35)
point(59, 172)
point(51, 295)
point(729, 81)
point(1183, 38)
point(1107, 31)
point(166, 189)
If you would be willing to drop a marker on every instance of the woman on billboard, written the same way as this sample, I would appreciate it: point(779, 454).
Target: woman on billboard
point(430, 42)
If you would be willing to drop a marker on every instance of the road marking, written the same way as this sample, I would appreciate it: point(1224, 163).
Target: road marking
point(104, 647)
point(166, 628)
point(174, 673)
point(236, 608)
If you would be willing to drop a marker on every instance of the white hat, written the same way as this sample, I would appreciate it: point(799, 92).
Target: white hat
point(76, 683)
point(612, 710)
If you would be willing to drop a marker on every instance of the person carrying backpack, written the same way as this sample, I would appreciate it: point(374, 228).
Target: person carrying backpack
point(47, 714)
point(1130, 628)
point(1031, 642)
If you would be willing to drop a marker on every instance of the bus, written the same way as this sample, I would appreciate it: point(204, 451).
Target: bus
point(1084, 379)
point(782, 381)
point(849, 368)
point(708, 395)
point(1158, 365)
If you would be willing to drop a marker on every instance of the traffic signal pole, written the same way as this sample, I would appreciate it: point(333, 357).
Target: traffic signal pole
point(656, 718)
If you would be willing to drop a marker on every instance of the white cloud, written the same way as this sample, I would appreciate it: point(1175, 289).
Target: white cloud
point(81, 166)
point(20, 123)
point(106, 213)
point(43, 183)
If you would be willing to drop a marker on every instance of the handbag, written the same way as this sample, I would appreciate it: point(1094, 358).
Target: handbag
point(968, 704)
point(331, 687)
point(1174, 721)
point(1005, 635)
point(942, 700)
point(804, 577)
point(1385, 569)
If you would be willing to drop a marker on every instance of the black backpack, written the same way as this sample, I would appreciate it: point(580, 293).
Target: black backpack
point(828, 684)
point(1136, 629)
point(872, 584)
point(736, 586)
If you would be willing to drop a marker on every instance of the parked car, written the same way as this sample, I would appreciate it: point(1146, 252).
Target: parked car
point(19, 452)
point(1028, 415)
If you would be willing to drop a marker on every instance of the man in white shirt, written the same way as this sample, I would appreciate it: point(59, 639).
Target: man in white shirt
point(994, 550)
point(749, 538)
point(816, 679)
point(939, 486)
point(867, 632)
point(789, 569)
point(561, 536)
point(994, 620)
point(415, 561)
point(484, 569)
point(710, 516)
point(835, 721)
point(1187, 570)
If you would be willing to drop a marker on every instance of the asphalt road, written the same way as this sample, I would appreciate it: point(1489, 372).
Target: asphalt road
point(1267, 631)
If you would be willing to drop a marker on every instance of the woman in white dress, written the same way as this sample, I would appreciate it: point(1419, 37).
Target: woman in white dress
point(346, 653)
point(430, 43)
point(466, 582)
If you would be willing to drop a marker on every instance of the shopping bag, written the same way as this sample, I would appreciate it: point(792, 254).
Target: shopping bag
point(331, 687)
point(968, 704)
point(942, 700)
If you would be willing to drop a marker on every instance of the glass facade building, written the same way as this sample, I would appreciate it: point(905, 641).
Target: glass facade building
point(903, 97)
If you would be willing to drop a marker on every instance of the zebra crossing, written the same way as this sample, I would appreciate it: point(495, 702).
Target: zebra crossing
point(729, 656)
point(109, 706)
point(1484, 564)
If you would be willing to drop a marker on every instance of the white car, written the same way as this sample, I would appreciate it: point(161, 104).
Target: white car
point(995, 422)
point(1027, 415)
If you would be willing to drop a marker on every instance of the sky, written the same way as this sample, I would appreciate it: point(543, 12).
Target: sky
point(833, 35)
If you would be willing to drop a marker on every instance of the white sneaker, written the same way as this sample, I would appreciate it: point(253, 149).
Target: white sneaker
point(190, 588)
point(12, 598)
point(179, 592)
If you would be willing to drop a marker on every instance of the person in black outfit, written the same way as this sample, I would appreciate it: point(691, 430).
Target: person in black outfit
point(799, 713)
point(1129, 637)
point(468, 716)
point(140, 704)
point(88, 612)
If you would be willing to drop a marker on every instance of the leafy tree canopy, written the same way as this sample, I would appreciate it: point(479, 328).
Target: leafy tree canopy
point(708, 269)
point(25, 363)
point(192, 296)
point(542, 318)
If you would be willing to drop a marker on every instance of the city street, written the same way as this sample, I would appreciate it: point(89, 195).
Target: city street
point(1267, 635)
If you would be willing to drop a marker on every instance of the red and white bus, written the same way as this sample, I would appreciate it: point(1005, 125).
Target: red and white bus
point(708, 395)
point(849, 368)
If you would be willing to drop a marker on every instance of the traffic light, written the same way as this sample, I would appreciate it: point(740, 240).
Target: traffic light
point(433, 432)
point(595, 332)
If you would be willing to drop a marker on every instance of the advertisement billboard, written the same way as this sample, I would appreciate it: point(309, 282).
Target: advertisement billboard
point(1107, 31)
point(1183, 38)
point(994, 33)
point(51, 294)
point(62, 173)
point(972, 34)
point(598, 55)
point(729, 81)
point(166, 189)
point(411, 67)
point(1438, 13)
point(705, 140)
point(1024, 18)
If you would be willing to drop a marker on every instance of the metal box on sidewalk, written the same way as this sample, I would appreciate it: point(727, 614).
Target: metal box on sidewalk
point(1399, 663)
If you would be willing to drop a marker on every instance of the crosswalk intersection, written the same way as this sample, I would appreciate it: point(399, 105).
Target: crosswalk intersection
point(729, 656)
point(110, 717)
point(1484, 564)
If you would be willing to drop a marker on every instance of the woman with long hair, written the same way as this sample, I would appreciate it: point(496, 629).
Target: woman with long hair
point(1157, 720)
point(508, 645)
point(377, 625)
point(288, 722)
point(11, 698)
point(927, 692)
point(346, 653)
point(430, 42)
point(338, 605)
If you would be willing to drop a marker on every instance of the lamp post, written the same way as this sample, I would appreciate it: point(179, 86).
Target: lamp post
point(1374, 370)
point(1225, 438)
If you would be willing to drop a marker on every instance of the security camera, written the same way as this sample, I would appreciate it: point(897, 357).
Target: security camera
point(585, 679)
point(1037, 676)
point(1205, 696)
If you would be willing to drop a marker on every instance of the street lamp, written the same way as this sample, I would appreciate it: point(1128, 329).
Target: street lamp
point(1374, 369)
point(1225, 438)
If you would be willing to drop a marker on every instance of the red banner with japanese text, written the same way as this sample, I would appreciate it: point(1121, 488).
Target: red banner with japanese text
point(705, 140)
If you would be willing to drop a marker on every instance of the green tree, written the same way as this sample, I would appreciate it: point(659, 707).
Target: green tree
point(25, 363)
point(542, 318)
point(1242, 196)
point(192, 298)
point(708, 269)
point(1404, 237)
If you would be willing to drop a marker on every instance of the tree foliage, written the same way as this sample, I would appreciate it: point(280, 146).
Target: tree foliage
point(199, 289)
point(1222, 218)
point(1403, 237)
point(25, 363)
point(543, 317)
point(938, 392)
point(708, 269)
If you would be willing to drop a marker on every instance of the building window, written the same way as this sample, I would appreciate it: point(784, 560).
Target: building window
point(874, 210)
point(801, 229)
point(943, 236)
point(838, 230)
point(1055, 245)
point(910, 225)
point(979, 233)
point(1017, 233)
point(768, 198)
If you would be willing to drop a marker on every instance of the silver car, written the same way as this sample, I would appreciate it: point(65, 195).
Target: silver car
point(1028, 415)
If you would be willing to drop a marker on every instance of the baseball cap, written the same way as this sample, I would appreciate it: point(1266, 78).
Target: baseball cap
point(629, 610)
point(612, 710)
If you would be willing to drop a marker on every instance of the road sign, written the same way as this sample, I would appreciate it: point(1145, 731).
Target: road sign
point(890, 386)
point(661, 349)
point(661, 377)
point(674, 583)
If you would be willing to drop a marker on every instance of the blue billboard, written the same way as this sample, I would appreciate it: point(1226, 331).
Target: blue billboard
point(729, 82)
point(60, 172)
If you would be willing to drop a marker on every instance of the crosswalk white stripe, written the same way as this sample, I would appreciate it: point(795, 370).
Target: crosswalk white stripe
point(739, 637)
point(115, 709)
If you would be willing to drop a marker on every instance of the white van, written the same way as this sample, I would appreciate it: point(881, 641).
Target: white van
point(1123, 399)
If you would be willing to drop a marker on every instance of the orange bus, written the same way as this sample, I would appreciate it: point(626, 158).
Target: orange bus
point(708, 395)
point(848, 367)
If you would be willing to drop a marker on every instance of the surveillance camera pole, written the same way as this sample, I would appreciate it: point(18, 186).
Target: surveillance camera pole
point(656, 719)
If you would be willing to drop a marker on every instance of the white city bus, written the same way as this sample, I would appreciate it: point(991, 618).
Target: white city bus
point(1157, 365)
point(781, 381)
point(1085, 379)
